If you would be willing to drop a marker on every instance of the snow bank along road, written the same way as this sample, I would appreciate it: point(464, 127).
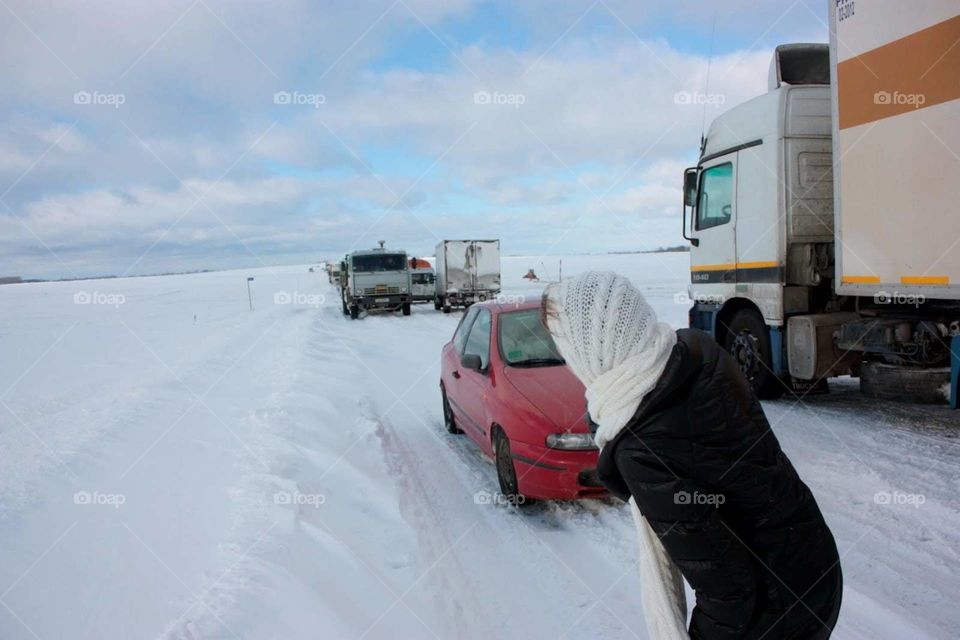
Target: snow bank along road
point(174, 465)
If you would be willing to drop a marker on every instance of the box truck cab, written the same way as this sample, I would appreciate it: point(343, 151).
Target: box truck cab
point(375, 279)
point(781, 211)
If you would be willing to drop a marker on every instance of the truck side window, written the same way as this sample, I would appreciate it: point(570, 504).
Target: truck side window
point(460, 336)
point(479, 341)
point(715, 204)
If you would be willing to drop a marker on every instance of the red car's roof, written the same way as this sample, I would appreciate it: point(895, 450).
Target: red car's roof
point(498, 306)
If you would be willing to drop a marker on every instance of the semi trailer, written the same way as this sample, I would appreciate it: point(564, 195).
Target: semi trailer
point(823, 215)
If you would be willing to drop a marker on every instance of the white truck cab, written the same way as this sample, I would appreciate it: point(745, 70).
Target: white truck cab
point(375, 279)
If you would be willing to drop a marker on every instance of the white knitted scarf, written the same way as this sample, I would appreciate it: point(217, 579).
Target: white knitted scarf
point(611, 340)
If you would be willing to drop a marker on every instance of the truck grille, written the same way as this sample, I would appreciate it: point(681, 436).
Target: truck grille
point(375, 291)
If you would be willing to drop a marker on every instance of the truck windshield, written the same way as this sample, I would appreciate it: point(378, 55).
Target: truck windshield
point(524, 342)
point(380, 262)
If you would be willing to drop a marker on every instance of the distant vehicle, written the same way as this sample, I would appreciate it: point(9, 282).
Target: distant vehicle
point(468, 271)
point(823, 213)
point(422, 280)
point(504, 385)
point(375, 279)
point(333, 273)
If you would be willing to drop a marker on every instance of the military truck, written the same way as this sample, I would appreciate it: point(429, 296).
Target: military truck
point(375, 280)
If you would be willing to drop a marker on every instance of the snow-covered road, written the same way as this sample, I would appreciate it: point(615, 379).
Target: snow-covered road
point(173, 465)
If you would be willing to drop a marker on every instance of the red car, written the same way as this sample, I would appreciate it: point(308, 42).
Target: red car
point(505, 386)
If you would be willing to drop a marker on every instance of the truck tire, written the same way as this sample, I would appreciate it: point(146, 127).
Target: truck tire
point(748, 341)
point(437, 303)
point(346, 311)
point(405, 308)
point(354, 312)
point(904, 384)
point(446, 307)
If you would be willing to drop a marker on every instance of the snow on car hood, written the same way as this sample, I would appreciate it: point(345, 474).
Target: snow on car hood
point(555, 392)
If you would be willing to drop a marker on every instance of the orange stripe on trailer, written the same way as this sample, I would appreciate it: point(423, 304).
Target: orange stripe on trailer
point(861, 280)
point(735, 265)
point(713, 267)
point(925, 280)
point(914, 72)
point(762, 264)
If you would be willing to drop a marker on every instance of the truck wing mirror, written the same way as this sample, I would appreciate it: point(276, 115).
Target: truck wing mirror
point(690, 187)
point(471, 361)
point(689, 200)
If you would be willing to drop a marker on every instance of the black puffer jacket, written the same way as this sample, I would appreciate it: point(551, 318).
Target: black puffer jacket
point(709, 475)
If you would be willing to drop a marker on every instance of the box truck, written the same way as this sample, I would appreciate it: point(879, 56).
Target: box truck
point(375, 279)
point(467, 271)
point(823, 215)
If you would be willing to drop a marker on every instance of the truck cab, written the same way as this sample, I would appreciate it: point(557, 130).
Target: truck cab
point(375, 279)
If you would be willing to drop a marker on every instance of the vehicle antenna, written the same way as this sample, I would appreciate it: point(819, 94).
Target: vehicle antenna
point(706, 89)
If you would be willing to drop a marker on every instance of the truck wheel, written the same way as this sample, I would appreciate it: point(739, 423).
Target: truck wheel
point(405, 308)
point(905, 384)
point(446, 307)
point(354, 313)
point(437, 303)
point(449, 421)
point(506, 471)
point(748, 341)
point(346, 311)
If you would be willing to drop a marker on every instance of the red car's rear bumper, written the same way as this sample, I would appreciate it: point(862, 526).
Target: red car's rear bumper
point(554, 474)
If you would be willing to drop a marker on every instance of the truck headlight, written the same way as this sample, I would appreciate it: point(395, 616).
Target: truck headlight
point(571, 441)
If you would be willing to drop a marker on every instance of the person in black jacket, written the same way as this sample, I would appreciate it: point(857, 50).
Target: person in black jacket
point(699, 459)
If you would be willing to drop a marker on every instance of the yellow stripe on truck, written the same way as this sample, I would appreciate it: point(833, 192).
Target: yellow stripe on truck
point(861, 280)
point(925, 280)
point(735, 265)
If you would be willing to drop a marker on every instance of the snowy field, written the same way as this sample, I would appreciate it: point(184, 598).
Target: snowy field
point(173, 465)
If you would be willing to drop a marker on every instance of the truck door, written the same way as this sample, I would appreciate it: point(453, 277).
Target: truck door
point(713, 260)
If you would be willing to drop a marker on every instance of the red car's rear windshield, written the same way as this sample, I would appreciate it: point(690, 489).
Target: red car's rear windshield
point(525, 342)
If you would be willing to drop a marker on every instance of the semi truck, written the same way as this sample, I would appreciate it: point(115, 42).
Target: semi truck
point(422, 280)
point(468, 271)
point(375, 279)
point(823, 215)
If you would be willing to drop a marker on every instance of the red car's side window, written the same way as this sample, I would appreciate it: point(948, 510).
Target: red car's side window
point(460, 335)
point(478, 343)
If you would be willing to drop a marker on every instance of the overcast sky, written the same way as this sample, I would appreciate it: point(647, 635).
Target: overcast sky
point(143, 136)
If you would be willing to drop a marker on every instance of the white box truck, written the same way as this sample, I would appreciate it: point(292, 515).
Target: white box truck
point(824, 217)
point(467, 271)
